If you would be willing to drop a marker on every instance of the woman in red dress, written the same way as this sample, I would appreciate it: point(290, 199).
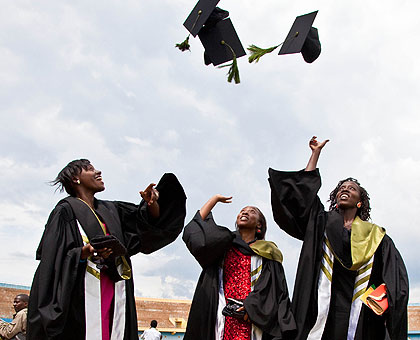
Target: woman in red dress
point(241, 266)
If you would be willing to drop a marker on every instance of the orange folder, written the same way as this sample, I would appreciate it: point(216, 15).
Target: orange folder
point(377, 300)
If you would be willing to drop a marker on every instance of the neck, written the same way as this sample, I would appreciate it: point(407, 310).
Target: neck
point(247, 235)
point(348, 216)
point(86, 197)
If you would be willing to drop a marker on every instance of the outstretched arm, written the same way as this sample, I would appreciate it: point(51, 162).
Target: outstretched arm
point(205, 210)
point(316, 148)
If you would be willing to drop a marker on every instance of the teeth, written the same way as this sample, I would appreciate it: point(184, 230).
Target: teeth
point(244, 218)
point(344, 196)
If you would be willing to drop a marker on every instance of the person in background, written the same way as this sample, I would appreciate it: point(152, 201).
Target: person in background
point(152, 333)
point(342, 256)
point(16, 329)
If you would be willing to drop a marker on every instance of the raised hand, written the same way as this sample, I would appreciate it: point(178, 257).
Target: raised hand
point(316, 148)
point(150, 194)
point(223, 199)
point(205, 210)
point(315, 145)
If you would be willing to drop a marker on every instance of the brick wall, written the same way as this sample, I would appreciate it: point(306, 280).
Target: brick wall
point(171, 315)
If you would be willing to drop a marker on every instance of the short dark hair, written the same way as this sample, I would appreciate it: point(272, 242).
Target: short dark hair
point(23, 297)
point(153, 323)
point(364, 211)
point(64, 179)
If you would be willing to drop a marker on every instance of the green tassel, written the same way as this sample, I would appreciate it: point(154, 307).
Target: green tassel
point(233, 72)
point(258, 52)
point(184, 45)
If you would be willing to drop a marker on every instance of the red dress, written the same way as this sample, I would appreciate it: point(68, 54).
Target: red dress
point(237, 285)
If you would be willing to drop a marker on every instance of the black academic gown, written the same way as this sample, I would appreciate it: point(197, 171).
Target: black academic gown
point(57, 306)
point(299, 212)
point(268, 305)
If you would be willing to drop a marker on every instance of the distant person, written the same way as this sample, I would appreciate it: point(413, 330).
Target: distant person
point(342, 256)
point(152, 333)
point(83, 287)
point(17, 328)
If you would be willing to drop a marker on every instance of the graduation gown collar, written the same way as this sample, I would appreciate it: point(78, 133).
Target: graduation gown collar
point(89, 221)
point(268, 250)
point(263, 248)
point(365, 238)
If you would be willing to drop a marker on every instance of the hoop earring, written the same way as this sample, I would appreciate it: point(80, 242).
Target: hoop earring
point(359, 205)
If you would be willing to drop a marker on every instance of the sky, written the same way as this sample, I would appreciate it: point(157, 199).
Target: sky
point(103, 80)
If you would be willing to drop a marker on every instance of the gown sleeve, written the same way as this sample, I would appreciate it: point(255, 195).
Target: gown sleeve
point(144, 234)
point(294, 198)
point(395, 277)
point(207, 241)
point(58, 272)
point(268, 305)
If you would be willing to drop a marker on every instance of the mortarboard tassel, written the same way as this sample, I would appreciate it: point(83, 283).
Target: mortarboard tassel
point(233, 72)
point(258, 52)
point(185, 45)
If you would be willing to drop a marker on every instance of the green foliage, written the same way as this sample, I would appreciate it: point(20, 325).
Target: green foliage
point(185, 45)
point(258, 52)
point(233, 72)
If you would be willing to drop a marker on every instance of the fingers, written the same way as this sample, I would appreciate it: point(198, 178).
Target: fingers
point(150, 194)
point(104, 252)
point(227, 199)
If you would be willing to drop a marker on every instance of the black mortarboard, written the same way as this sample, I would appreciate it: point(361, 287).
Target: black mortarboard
point(199, 15)
point(218, 40)
point(217, 34)
point(303, 38)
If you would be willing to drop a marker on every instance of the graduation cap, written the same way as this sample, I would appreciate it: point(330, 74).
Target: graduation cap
point(302, 38)
point(217, 34)
point(196, 20)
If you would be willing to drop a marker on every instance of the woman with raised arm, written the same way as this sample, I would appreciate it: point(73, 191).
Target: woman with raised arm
point(83, 287)
point(242, 292)
point(341, 257)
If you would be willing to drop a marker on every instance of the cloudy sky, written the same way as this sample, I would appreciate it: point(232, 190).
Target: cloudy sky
point(102, 80)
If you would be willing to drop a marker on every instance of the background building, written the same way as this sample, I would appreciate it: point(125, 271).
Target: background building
point(171, 315)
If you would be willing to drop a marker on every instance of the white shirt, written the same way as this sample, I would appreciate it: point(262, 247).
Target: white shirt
point(151, 334)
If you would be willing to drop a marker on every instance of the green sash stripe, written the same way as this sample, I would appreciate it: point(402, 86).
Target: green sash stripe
point(369, 266)
point(256, 271)
point(94, 272)
point(329, 261)
point(361, 281)
point(358, 294)
point(326, 272)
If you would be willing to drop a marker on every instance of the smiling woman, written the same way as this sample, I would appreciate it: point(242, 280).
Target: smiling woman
point(83, 287)
point(242, 292)
point(342, 256)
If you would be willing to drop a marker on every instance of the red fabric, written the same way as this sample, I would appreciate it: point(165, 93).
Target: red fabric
point(107, 302)
point(237, 285)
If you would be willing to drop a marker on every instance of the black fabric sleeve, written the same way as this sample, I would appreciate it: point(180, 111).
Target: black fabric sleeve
point(207, 241)
point(396, 279)
point(268, 305)
point(144, 234)
point(293, 196)
point(58, 272)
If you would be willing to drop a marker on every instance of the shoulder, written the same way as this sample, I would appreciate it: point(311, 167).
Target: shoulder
point(62, 211)
point(22, 314)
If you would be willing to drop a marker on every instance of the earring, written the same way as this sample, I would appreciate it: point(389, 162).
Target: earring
point(336, 206)
point(359, 205)
point(78, 181)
